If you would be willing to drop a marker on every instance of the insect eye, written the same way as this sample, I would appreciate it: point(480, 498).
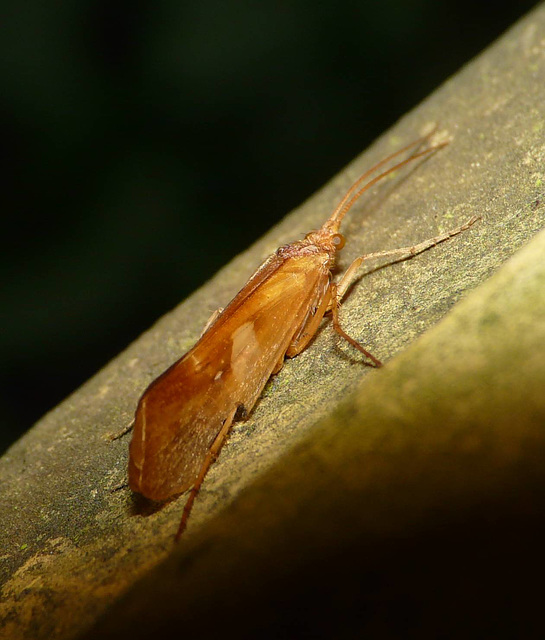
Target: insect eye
point(339, 240)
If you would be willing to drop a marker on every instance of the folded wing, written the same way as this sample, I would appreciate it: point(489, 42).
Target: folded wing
point(181, 412)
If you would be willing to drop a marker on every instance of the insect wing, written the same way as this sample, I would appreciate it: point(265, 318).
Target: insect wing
point(181, 412)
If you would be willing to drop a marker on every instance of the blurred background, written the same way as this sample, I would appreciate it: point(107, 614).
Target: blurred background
point(146, 144)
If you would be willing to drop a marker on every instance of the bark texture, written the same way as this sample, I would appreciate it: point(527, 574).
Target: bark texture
point(401, 501)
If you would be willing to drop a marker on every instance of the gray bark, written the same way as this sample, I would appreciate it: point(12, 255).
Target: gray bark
point(418, 487)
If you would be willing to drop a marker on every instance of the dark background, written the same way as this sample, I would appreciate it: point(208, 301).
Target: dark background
point(147, 143)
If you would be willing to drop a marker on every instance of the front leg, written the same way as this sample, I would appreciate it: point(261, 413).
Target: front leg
point(404, 253)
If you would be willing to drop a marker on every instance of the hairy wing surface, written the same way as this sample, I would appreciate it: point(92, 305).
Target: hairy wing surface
point(181, 413)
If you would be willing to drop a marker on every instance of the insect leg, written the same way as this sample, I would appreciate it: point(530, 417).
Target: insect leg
point(115, 436)
point(404, 253)
point(212, 454)
point(310, 325)
point(278, 365)
point(215, 315)
point(336, 325)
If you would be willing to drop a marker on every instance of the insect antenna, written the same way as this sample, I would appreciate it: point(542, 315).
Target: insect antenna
point(352, 195)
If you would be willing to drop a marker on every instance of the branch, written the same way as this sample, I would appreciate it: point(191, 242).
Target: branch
point(360, 489)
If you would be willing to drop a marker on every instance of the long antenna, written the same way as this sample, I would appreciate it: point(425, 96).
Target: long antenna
point(350, 197)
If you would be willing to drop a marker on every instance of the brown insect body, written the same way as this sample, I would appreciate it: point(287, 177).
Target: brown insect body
point(184, 416)
point(182, 411)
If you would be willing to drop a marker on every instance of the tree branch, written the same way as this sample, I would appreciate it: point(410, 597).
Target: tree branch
point(364, 490)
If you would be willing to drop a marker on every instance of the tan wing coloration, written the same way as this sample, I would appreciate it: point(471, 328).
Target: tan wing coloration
point(181, 413)
point(184, 416)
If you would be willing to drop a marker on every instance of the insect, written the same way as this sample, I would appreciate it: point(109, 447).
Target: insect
point(184, 416)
